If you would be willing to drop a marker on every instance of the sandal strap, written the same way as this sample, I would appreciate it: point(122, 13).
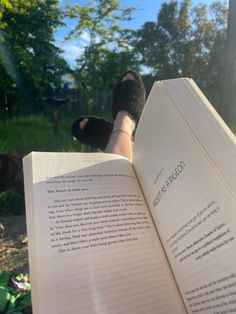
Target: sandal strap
point(129, 95)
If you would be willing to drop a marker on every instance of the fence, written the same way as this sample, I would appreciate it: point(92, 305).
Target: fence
point(77, 101)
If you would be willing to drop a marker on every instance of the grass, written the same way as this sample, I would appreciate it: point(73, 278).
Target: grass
point(35, 133)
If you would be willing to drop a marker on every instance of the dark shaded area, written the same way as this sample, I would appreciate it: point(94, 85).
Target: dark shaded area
point(11, 172)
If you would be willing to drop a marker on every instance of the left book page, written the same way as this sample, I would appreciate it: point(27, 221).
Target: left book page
point(93, 247)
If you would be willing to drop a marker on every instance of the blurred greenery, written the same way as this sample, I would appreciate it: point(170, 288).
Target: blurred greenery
point(184, 40)
point(30, 62)
point(12, 300)
point(35, 133)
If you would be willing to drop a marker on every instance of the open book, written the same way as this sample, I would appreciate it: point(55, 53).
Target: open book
point(157, 235)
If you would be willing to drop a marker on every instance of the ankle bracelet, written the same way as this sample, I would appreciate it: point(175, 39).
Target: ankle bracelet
point(121, 131)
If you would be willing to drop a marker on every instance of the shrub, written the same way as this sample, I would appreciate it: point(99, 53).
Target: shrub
point(11, 202)
point(13, 299)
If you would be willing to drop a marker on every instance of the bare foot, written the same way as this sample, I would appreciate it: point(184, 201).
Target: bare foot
point(83, 123)
point(128, 76)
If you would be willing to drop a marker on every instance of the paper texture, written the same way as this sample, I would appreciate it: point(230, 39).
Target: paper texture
point(192, 204)
point(97, 249)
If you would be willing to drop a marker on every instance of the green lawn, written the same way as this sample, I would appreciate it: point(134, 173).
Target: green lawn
point(35, 133)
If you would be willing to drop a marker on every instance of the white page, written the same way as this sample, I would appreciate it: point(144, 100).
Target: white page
point(115, 263)
point(214, 135)
point(192, 204)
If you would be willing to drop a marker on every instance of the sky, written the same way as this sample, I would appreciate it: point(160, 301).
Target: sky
point(146, 11)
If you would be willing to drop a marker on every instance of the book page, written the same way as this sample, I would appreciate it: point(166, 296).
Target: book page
point(191, 199)
point(93, 246)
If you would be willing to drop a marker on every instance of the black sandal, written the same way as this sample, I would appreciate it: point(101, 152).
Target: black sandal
point(129, 95)
point(96, 132)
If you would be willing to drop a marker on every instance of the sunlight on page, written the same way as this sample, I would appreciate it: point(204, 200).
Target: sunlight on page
point(96, 248)
point(192, 203)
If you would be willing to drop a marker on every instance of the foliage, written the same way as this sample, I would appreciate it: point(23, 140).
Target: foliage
point(100, 20)
point(183, 41)
point(161, 45)
point(29, 60)
point(9, 5)
point(13, 301)
point(106, 40)
point(207, 48)
point(186, 41)
point(35, 132)
point(10, 202)
point(109, 67)
point(113, 65)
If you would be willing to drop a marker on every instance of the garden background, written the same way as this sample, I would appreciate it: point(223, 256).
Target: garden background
point(185, 40)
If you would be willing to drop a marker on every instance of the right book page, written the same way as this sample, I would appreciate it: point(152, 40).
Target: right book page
point(184, 157)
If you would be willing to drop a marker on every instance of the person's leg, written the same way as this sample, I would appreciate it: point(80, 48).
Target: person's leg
point(128, 100)
point(120, 141)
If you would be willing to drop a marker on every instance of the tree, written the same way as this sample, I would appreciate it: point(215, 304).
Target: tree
point(229, 80)
point(100, 20)
point(162, 44)
point(29, 60)
point(207, 46)
point(186, 41)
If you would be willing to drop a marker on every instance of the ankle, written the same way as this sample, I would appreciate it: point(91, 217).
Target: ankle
point(124, 122)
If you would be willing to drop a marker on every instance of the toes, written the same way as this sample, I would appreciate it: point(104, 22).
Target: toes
point(83, 123)
point(128, 76)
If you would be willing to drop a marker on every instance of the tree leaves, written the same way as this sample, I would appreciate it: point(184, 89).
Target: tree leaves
point(29, 60)
point(100, 21)
point(186, 41)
